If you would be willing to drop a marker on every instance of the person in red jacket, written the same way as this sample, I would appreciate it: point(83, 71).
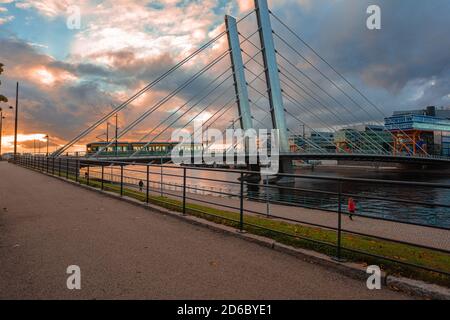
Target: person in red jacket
point(351, 207)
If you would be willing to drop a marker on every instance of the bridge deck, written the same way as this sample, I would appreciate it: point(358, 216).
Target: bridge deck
point(128, 252)
point(400, 159)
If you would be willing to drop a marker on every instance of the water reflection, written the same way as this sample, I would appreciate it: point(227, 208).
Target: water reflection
point(314, 192)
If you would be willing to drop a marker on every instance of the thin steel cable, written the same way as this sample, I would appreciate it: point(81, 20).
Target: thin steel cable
point(164, 100)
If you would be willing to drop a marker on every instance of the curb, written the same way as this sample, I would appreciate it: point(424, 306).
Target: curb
point(353, 270)
point(418, 288)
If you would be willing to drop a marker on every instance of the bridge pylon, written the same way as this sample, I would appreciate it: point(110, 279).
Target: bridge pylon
point(240, 82)
point(273, 81)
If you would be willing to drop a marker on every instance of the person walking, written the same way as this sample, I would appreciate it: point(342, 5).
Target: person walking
point(351, 208)
point(141, 185)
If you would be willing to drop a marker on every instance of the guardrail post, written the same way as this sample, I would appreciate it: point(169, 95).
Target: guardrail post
point(46, 163)
point(59, 168)
point(77, 170)
point(147, 185)
point(184, 191)
point(103, 175)
point(53, 166)
point(241, 206)
point(339, 234)
point(162, 181)
point(121, 180)
point(67, 169)
point(267, 197)
point(88, 174)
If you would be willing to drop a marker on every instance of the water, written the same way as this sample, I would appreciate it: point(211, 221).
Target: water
point(383, 207)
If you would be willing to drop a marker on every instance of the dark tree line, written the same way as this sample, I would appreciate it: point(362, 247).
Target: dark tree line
point(2, 97)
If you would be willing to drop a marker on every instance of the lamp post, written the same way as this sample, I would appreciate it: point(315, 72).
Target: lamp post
point(1, 130)
point(15, 121)
point(117, 132)
point(47, 138)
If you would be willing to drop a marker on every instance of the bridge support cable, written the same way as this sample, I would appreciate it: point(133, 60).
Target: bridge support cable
point(296, 104)
point(164, 100)
point(272, 80)
point(330, 66)
point(281, 80)
point(123, 105)
point(349, 112)
point(368, 140)
point(138, 94)
point(187, 103)
point(239, 118)
point(202, 110)
point(303, 123)
point(179, 117)
point(338, 73)
point(261, 94)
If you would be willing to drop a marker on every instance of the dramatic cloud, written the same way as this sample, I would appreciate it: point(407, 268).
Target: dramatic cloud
point(69, 78)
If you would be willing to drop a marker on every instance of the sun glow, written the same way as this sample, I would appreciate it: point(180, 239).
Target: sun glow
point(44, 76)
point(8, 141)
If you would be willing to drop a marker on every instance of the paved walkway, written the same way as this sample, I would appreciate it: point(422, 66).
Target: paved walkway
point(129, 252)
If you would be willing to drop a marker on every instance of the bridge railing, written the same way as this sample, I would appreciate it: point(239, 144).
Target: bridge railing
point(401, 225)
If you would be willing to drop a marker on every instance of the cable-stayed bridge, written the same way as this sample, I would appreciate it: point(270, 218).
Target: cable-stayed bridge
point(258, 74)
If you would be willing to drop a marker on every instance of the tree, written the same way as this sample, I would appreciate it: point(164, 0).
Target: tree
point(2, 97)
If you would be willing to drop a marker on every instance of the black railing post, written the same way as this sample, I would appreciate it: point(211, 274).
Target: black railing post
point(241, 206)
point(121, 180)
point(339, 235)
point(59, 168)
point(103, 175)
point(147, 185)
point(67, 169)
point(77, 170)
point(162, 181)
point(88, 174)
point(53, 166)
point(184, 191)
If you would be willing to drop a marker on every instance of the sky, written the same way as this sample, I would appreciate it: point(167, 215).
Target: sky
point(70, 77)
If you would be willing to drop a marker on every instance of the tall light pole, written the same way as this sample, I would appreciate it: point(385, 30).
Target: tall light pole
point(117, 132)
point(1, 130)
point(15, 122)
point(107, 132)
point(47, 138)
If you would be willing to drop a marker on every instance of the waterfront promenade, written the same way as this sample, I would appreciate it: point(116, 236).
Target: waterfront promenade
point(128, 252)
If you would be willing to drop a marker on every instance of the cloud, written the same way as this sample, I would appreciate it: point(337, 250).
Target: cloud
point(123, 45)
point(4, 20)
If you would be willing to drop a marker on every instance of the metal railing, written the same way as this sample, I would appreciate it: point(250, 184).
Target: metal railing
point(196, 185)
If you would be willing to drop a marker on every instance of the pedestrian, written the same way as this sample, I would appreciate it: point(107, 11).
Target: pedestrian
point(141, 185)
point(351, 208)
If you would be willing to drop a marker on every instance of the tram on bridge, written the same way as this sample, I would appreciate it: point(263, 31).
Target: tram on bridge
point(125, 149)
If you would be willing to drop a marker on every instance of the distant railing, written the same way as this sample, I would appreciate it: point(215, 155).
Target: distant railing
point(146, 181)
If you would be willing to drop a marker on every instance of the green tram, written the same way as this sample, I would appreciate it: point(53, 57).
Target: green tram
point(128, 148)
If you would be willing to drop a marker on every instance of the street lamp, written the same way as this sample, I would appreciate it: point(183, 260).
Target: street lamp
point(15, 120)
point(47, 138)
point(1, 130)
